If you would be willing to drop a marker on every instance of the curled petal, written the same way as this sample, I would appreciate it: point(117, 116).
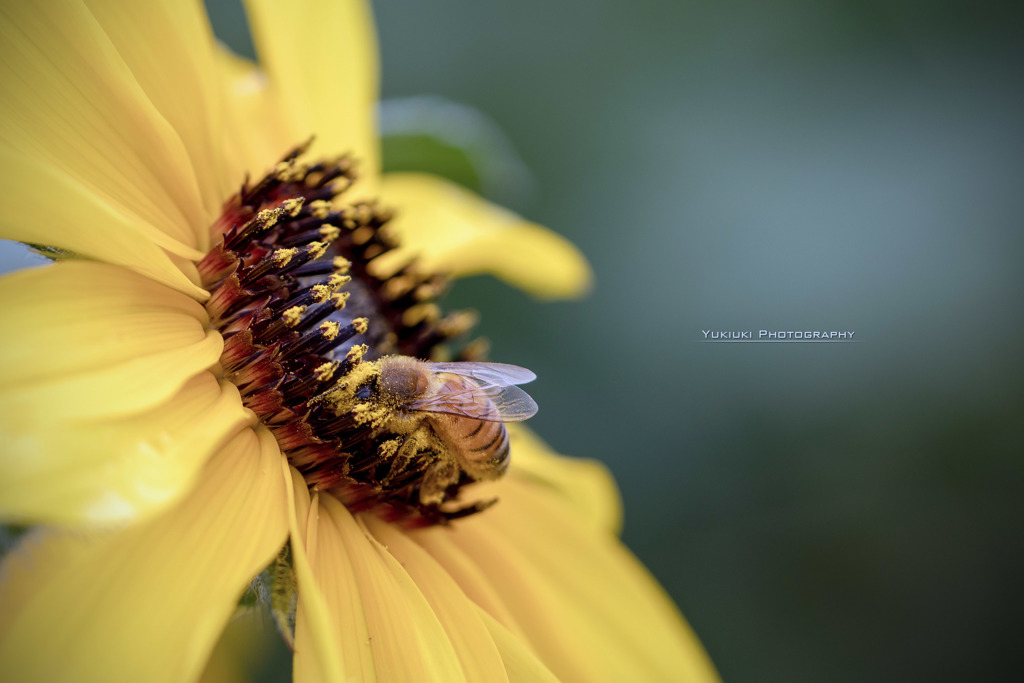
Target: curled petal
point(85, 223)
point(451, 229)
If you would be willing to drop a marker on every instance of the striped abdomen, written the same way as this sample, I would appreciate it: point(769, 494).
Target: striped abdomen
point(480, 446)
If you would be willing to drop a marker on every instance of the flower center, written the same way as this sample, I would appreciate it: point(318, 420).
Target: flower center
point(308, 327)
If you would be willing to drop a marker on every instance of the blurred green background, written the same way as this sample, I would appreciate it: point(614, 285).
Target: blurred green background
point(846, 512)
point(819, 512)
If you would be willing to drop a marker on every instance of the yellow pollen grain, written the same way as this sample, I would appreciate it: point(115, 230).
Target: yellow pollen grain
point(324, 372)
point(320, 208)
point(367, 413)
point(339, 300)
point(356, 353)
point(267, 218)
point(420, 313)
point(457, 323)
point(363, 413)
point(361, 325)
point(281, 257)
point(362, 235)
point(341, 264)
point(336, 280)
point(341, 397)
point(440, 354)
point(398, 285)
point(329, 232)
point(290, 171)
point(476, 349)
point(427, 291)
point(293, 206)
point(316, 250)
point(387, 236)
point(293, 315)
point(320, 293)
point(329, 330)
point(341, 184)
point(387, 450)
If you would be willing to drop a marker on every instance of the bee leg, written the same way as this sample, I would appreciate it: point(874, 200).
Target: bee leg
point(436, 481)
point(405, 454)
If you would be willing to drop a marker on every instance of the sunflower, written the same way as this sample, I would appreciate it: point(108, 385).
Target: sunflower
point(180, 404)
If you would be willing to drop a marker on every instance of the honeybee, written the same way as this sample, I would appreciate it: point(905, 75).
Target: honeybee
point(456, 410)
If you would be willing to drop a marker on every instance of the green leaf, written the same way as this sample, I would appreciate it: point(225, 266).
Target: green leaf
point(432, 135)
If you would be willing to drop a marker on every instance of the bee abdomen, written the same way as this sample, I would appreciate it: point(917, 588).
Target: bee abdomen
point(485, 449)
point(491, 436)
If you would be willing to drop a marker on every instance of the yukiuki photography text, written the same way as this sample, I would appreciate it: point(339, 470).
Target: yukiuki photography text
point(775, 336)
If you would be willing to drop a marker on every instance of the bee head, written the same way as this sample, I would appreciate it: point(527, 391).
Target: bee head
point(366, 390)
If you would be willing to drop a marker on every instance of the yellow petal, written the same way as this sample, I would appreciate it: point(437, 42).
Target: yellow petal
point(453, 230)
point(521, 664)
point(473, 581)
point(321, 59)
point(386, 628)
point(123, 389)
point(47, 206)
point(252, 108)
point(70, 100)
point(87, 339)
point(550, 626)
point(146, 603)
point(107, 410)
point(185, 89)
point(585, 484)
point(586, 606)
point(469, 635)
point(115, 470)
point(317, 658)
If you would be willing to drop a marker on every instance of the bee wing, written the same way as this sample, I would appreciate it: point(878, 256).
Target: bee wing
point(486, 400)
point(513, 404)
point(501, 374)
